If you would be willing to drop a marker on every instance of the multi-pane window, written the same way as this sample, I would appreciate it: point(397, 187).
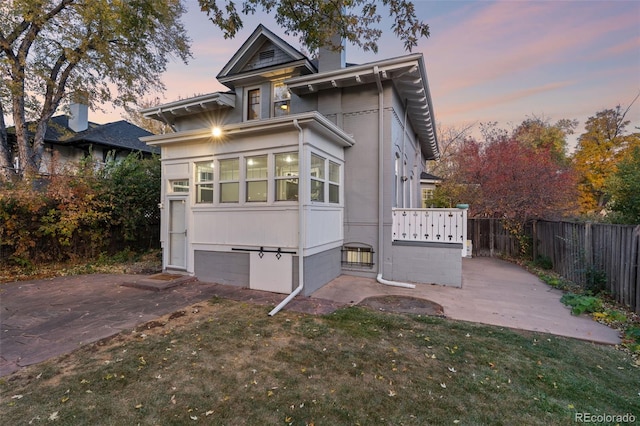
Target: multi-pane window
point(357, 256)
point(317, 178)
point(253, 104)
point(281, 100)
point(179, 185)
point(427, 196)
point(204, 182)
point(229, 180)
point(286, 176)
point(256, 178)
point(334, 182)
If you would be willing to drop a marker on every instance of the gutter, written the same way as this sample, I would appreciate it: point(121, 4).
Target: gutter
point(379, 278)
point(301, 221)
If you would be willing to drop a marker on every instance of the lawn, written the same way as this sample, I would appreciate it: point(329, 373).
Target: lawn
point(225, 362)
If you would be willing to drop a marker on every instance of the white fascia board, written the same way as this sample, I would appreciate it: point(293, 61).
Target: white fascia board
point(350, 73)
point(181, 107)
point(286, 68)
point(308, 119)
point(410, 78)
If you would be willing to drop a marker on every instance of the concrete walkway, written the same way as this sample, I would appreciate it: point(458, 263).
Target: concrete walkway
point(43, 319)
point(493, 292)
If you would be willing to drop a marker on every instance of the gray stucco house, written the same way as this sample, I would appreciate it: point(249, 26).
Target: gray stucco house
point(305, 170)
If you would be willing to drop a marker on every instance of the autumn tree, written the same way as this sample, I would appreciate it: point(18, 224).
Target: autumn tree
point(599, 150)
point(134, 116)
point(539, 134)
point(110, 51)
point(624, 188)
point(508, 179)
point(115, 51)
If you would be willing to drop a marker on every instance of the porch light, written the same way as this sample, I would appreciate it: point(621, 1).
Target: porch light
point(216, 132)
point(284, 107)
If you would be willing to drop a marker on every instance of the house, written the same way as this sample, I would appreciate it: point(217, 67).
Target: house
point(70, 138)
point(303, 171)
point(428, 184)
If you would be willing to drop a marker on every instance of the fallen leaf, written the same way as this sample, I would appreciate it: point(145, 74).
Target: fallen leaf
point(17, 397)
point(392, 393)
point(208, 413)
point(54, 416)
point(443, 385)
point(139, 406)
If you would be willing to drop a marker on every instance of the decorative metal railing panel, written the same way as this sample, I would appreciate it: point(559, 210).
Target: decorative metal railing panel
point(430, 225)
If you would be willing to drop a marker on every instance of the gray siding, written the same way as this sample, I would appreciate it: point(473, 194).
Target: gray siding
point(427, 263)
point(222, 267)
point(319, 269)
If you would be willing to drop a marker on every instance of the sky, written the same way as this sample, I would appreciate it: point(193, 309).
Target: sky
point(486, 61)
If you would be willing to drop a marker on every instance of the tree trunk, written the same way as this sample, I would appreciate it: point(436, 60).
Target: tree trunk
point(6, 165)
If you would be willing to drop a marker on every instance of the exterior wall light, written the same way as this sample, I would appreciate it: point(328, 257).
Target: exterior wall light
point(216, 132)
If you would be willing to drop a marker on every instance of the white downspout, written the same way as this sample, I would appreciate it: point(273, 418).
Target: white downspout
point(381, 187)
point(302, 196)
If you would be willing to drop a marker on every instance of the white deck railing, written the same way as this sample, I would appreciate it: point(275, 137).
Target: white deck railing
point(430, 225)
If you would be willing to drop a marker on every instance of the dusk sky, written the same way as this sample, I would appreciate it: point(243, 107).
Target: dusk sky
point(486, 61)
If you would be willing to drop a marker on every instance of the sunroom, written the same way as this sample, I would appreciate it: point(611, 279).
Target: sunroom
point(234, 200)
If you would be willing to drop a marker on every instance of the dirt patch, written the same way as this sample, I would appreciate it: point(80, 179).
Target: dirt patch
point(403, 304)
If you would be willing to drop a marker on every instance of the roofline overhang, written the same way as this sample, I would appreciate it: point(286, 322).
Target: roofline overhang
point(313, 120)
point(208, 102)
point(407, 73)
point(289, 67)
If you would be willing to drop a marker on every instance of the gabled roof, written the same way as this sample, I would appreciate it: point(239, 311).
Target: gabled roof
point(260, 54)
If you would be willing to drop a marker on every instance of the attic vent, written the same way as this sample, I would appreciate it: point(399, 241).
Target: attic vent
point(267, 55)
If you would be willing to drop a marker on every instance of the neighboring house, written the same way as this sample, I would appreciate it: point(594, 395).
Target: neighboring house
point(428, 184)
point(69, 139)
point(302, 172)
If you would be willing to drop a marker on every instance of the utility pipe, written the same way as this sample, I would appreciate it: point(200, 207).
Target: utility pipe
point(381, 187)
point(302, 196)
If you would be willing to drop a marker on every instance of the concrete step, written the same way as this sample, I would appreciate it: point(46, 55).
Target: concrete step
point(161, 281)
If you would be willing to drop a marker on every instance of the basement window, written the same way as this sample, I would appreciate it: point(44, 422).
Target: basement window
point(357, 255)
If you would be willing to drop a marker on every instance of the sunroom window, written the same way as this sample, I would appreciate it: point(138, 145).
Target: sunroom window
point(286, 176)
point(204, 182)
point(257, 178)
point(229, 180)
point(317, 178)
point(334, 182)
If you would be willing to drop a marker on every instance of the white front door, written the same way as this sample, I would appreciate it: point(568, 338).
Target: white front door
point(177, 234)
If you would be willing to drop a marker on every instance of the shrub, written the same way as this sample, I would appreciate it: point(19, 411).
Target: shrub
point(581, 303)
point(544, 262)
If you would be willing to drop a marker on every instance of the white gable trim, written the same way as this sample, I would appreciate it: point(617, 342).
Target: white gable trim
point(250, 47)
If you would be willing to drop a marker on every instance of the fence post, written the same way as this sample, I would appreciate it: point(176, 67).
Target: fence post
point(534, 240)
point(491, 236)
point(588, 247)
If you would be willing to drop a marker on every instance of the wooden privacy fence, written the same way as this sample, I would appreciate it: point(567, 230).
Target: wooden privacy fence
point(580, 252)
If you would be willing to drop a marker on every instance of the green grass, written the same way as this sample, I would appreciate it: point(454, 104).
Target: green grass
point(230, 363)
